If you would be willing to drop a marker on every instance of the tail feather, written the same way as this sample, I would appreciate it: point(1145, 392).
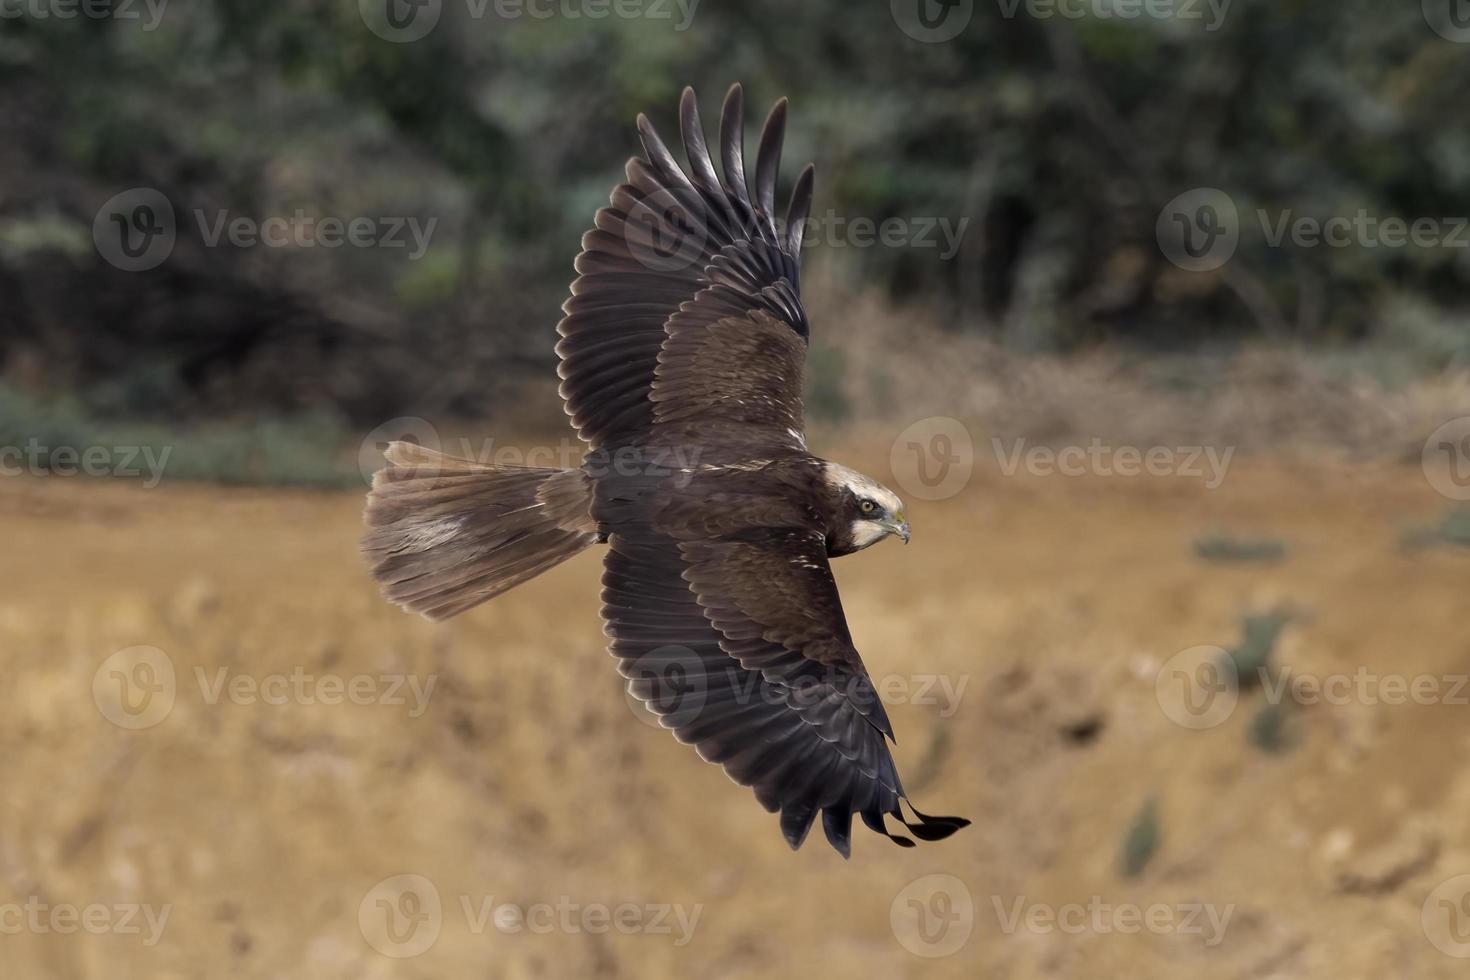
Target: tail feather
point(445, 534)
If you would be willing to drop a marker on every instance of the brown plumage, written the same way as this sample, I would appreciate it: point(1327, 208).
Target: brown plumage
point(682, 357)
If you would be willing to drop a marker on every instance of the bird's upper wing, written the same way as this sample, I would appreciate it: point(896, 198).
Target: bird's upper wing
point(687, 306)
point(740, 646)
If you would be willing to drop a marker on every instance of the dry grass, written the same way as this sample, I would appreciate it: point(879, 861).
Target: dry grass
point(902, 364)
point(1053, 600)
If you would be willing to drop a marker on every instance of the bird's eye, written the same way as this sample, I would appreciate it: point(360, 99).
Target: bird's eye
point(867, 506)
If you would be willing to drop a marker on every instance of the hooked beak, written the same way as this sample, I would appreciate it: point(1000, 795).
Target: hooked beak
point(901, 529)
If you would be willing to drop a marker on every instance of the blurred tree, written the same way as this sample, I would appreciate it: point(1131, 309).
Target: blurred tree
point(1047, 145)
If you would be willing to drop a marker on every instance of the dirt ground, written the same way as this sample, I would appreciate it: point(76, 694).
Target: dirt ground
point(251, 806)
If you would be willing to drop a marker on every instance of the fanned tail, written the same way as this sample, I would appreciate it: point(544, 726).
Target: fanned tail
point(445, 534)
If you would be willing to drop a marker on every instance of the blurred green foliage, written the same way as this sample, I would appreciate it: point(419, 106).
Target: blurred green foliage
point(1055, 140)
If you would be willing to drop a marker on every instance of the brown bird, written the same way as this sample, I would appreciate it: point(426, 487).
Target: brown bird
point(682, 357)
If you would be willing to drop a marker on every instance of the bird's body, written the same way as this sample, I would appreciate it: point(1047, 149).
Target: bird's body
point(682, 358)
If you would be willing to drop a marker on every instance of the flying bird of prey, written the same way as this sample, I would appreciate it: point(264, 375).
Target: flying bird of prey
point(682, 354)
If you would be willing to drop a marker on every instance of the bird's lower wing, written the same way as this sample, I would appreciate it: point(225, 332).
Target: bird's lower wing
point(803, 735)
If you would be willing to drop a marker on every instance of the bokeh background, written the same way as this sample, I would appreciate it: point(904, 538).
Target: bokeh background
point(1153, 311)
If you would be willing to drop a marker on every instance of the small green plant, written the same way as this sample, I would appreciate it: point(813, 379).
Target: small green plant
point(1141, 841)
point(1225, 548)
point(1252, 656)
point(1273, 728)
point(1452, 530)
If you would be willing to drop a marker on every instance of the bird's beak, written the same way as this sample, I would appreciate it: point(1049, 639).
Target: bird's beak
point(900, 528)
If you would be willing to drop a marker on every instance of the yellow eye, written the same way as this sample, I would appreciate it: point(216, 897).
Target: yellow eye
point(867, 506)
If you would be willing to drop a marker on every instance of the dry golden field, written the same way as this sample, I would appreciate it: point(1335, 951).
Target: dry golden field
point(243, 824)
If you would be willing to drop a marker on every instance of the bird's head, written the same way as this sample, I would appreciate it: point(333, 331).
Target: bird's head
point(864, 511)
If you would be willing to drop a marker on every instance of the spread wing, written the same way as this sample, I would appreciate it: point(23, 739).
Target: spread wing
point(740, 646)
point(686, 308)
